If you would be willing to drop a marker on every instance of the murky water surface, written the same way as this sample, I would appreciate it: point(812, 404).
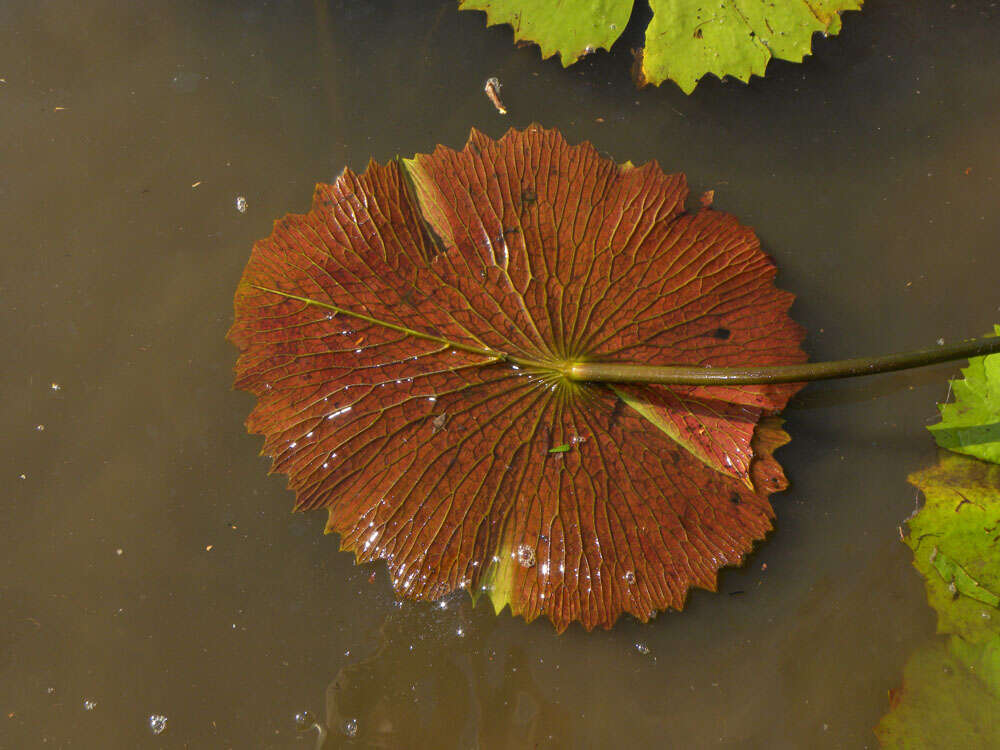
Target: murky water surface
point(156, 591)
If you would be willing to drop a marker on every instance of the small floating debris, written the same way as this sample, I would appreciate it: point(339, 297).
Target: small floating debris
point(55, 386)
point(306, 722)
point(525, 556)
point(492, 90)
point(241, 204)
point(157, 723)
point(89, 705)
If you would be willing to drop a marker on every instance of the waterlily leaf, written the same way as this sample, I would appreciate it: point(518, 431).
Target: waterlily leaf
point(570, 29)
point(688, 38)
point(685, 40)
point(405, 337)
point(971, 423)
point(955, 539)
point(950, 698)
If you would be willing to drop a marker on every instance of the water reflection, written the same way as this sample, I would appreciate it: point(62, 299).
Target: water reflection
point(424, 687)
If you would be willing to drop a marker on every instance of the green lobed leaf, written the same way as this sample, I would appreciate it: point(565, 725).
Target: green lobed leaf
point(971, 423)
point(949, 699)
point(955, 540)
point(686, 39)
point(569, 28)
point(689, 38)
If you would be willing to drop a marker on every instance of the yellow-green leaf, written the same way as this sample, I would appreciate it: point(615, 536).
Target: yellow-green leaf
point(955, 539)
point(971, 424)
point(685, 40)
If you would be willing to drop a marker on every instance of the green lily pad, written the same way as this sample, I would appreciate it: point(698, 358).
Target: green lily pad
point(570, 29)
point(949, 699)
point(955, 540)
point(971, 423)
point(950, 696)
point(685, 40)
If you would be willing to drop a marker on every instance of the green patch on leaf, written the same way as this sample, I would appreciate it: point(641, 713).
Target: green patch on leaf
point(955, 539)
point(971, 423)
point(559, 449)
point(960, 582)
point(685, 40)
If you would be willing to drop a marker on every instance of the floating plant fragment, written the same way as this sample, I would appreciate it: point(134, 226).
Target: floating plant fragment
point(685, 40)
point(407, 341)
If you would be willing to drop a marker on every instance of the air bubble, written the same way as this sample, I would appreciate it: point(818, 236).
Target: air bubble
point(157, 723)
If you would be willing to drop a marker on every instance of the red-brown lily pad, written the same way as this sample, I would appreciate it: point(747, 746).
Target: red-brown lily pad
point(406, 341)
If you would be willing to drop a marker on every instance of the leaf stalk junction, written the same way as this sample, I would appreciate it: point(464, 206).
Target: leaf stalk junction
point(626, 372)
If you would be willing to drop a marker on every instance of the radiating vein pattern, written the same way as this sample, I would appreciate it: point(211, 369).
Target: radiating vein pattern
point(385, 334)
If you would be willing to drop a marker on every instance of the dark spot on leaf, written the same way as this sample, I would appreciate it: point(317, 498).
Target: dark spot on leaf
point(616, 413)
point(528, 197)
point(721, 333)
point(734, 499)
point(438, 423)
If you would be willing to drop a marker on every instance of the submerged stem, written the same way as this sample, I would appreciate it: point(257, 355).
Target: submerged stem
point(620, 372)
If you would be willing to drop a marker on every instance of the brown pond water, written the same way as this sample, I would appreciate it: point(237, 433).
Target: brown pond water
point(151, 568)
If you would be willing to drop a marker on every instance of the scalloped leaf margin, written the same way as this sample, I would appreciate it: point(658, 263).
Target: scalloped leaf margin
point(685, 40)
point(400, 339)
